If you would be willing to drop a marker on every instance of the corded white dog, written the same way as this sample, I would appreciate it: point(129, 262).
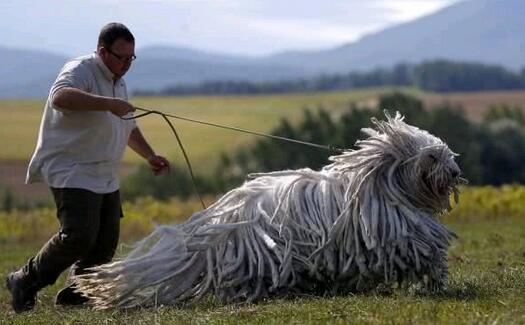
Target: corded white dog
point(368, 218)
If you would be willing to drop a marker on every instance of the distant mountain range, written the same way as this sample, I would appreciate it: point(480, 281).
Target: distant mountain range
point(485, 31)
point(27, 73)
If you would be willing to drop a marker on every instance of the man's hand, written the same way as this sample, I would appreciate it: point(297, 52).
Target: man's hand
point(121, 107)
point(159, 165)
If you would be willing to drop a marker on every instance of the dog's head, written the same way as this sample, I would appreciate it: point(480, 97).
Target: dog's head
point(410, 165)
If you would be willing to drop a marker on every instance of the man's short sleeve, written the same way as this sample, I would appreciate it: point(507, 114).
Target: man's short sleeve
point(73, 75)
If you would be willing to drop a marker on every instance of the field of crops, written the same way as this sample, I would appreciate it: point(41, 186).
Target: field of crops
point(487, 273)
point(20, 120)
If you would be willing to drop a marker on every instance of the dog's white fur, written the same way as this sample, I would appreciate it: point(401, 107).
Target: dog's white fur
point(368, 218)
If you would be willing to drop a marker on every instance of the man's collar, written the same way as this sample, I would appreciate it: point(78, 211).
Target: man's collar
point(105, 70)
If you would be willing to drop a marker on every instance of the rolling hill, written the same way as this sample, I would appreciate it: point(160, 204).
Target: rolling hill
point(484, 31)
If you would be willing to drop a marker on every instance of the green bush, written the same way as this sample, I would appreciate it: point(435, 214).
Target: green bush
point(490, 152)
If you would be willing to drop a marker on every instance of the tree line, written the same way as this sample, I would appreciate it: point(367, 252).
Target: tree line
point(491, 151)
point(437, 75)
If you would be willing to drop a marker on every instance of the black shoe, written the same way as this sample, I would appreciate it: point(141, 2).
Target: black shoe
point(69, 297)
point(23, 293)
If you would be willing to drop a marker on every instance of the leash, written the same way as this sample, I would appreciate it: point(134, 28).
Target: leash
point(188, 164)
point(227, 127)
point(166, 116)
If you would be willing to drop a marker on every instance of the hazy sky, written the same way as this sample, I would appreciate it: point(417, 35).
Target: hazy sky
point(249, 27)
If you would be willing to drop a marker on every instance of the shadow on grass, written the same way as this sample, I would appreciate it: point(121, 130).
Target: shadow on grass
point(462, 291)
point(457, 290)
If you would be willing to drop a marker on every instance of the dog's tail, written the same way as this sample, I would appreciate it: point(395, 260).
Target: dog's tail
point(147, 276)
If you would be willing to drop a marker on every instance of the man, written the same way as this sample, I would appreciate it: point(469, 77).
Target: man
point(80, 145)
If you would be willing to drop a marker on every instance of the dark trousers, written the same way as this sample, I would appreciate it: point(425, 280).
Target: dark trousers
point(88, 235)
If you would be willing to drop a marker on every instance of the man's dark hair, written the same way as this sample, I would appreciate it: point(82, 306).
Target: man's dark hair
point(113, 31)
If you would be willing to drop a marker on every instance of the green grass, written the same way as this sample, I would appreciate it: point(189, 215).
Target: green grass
point(21, 119)
point(487, 286)
point(487, 262)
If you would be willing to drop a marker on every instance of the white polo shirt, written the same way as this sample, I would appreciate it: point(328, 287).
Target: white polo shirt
point(81, 149)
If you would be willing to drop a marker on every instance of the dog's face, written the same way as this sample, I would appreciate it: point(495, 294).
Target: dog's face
point(436, 176)
point(429, 165)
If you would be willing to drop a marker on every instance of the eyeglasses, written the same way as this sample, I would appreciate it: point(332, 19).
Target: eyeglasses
point(121, 58)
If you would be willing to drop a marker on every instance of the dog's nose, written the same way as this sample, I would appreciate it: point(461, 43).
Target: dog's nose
point(455, 173)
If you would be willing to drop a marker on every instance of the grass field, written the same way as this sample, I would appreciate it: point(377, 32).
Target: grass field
point(475, 104)
point(20, 121)
point(487, 262)
point(487, 286)
point(486, 282)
